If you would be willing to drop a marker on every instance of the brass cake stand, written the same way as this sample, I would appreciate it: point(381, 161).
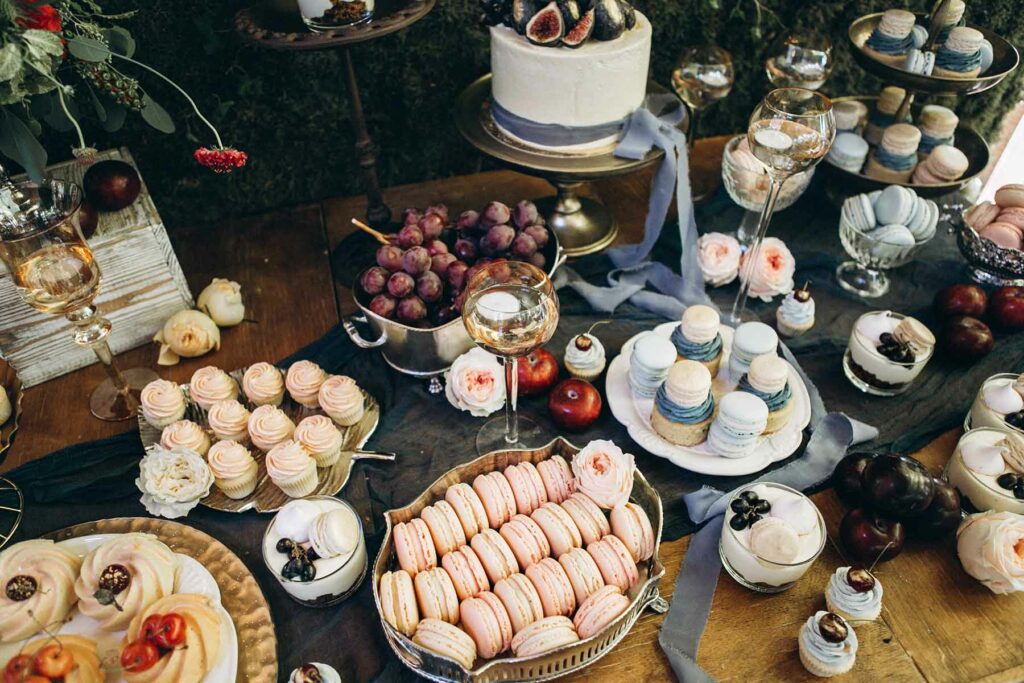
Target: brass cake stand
point(583, 225)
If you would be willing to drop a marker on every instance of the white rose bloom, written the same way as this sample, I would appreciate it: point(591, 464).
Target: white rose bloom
point(173, 481)
point(476, 383)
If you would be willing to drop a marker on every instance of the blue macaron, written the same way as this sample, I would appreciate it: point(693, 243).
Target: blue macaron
point(858, 213)
point(920, 62)
point(895, 205)
point(848, 151)
point(924, 220)
point(987, 56)
point(919, 36)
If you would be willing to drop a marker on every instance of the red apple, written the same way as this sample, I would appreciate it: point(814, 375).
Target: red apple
point(538, 372)
point(574, 404)
point(88, 219)
point(111, 184)
point(967, 339)
point(961, 299)
point(869, 537)
point(1008, 307)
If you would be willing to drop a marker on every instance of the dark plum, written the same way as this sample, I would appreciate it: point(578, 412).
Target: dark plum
point(411, 309)
point(468, 221)
point(429, 287)
point(496, 213)
point(539, 234)
point(410, 236)
point(374, 280)
point(466, 249)
point(523, 246)
point(416, 261)
point(389, 257)
point(410, 216)
point(897, 485)
point(439, 263)
point(941, 517)
point(431, 226)
point(498, 239)
point(456, 274)
point(383, 305)
point(438, 210)
point(525, 214)
point(401, 284)
point(846, 477)
point(435, 247)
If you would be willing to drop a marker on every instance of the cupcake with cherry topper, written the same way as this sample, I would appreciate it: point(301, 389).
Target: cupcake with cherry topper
point(585, 355)
point(795, 315)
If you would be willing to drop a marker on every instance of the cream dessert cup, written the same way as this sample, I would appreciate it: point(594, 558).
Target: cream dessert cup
point(976, 477)
point(996, 400)
point(337, 578)
point(756, 572)
point(868, 369)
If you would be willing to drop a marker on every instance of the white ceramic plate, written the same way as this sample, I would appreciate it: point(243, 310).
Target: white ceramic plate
point(635, 414)
point(192, 578)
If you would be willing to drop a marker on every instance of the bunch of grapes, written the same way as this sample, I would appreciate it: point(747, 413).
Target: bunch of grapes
point(421, 273)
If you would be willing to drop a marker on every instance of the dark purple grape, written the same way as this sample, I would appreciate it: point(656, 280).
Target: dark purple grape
point(539, 234)
point(410, 236)
point(435, 247)
point(497, 239)
point(410, 216)
point(438, 209)
point(400, 284)
point(416, 261)
point(374, 280)
point(523, 246)
point(538, 260)
point(460, 300)
point(383, 305)
point(456, 274)
point(411, 309)
point(525, 214)
point(466, 249)
point(496, 213)
point(389, 257)
point(429, 287)
point(431, 226)
point(445, 314)
point(468, 220)
point(440, 262)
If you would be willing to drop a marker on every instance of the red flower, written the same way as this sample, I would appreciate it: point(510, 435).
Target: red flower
point(222, 160)
point(43, 17)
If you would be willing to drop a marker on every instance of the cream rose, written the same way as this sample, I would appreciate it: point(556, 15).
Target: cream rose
point(991, 549)
point(222, 301)
point(604, 473)
point(186, 334)
point(173, 481)
point(719, 256)
point(772, 275)
point(476, 383)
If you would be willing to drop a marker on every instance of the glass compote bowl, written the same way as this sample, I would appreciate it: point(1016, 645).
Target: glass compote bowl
point(865, 274)
point(799, 59)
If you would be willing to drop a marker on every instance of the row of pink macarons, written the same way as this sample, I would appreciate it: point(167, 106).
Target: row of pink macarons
point(1002, 221)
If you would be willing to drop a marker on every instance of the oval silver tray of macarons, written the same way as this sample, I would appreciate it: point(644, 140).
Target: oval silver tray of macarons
point(504, 570)
point(735, 415)
point(252, 412)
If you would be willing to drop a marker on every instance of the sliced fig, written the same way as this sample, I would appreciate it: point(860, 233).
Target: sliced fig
point(570, 10)
point(547, 26)
point(609, 19)
point(629, 13)
point(522, 12)
point(579, 33)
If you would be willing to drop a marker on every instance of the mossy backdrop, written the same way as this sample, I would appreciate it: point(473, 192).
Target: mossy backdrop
point(289, 111)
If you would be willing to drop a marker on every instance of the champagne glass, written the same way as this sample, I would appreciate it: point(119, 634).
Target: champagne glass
point(510, 310)
point(54, 271)
point(799, 59)
point(790, 131)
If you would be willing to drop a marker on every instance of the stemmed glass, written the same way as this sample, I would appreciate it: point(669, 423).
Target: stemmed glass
point(799, 59)
point(54, 271)
point(510, 310)
point(790, 131)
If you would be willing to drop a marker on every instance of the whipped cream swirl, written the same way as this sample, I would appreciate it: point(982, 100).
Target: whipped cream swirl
point(591, 359)
point(288, 459)
point(269, 426)
point(833, 654)
point(797, 312)
point(318, 434)
point(848, 599)
point(229, 420)
point(162, 402)
point(229, 460)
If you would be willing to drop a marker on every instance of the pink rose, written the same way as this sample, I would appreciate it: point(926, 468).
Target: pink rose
point(719, 256)
point(476, 383)
point(604, 473)
point(773, 274)
point(991, 549)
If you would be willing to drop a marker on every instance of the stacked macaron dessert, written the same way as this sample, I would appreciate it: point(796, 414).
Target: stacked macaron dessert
point(944, 164)
point(883, 114)
point(684, 406)
point(1001, 221)
point(653, 356)
point(889, 224)
point(937, 125)
point(768, 379)
point(697, 337)
point(851, 115)
point(521, 561)
point(892, 38)
point(895, 158)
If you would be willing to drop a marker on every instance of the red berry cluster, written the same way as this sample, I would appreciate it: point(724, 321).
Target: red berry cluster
point(50, 663)
point(160, 634)
point(221, 160)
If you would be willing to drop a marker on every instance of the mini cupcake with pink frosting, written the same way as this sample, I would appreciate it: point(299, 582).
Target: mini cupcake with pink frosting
point(303, 382)
point(263, 385)
point(341, 398)
point(269, 426)
point(211, 385)
point(292, 469)
point(162, 403)
point(233, 467)
point(321, 438)
point(229, 421)
point(185, 434)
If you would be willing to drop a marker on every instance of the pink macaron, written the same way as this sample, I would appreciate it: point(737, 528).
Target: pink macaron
point(527, 541)
point(486, 621)
point(1003, 235)
point(494, 554)
point(1014, 215)
point(449, 641)
point(924, 175)
point(445, 527)
point(521, 601)
point(543, 636)
point(981, 215)
point(562, 533)
point(496, 496)
point(1010, 195)
point(553, 587)
point(616, 564)
point(398, 601)
point(583, 573)
point(599, 610)
point(527, 487)
point(589, 518)
point(631, 525)
point(468, 507)
point(467, 574)
point(436, 596)
point(557, 477)
point(414, 546)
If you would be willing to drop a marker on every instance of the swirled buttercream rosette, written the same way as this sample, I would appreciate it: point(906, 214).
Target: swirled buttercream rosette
point(190, 661)
point(162, 403)
point(211, 385)
point(263, 384)
point(303, 382)
point(37, 588)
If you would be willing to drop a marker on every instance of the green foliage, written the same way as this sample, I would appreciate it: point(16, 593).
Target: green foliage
point(290, 111)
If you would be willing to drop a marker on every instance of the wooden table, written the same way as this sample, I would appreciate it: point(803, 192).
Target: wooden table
point(938, 624)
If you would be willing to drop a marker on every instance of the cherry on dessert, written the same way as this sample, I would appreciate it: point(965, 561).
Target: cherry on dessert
point(170, 631)
point(739, 505)
point(150, 626)
point(583, 342)
point(21, 587)
point(1006, 481)
point(18, 667)
point(115, 578)
point(309, 673)
point(53, 661)
point(138, 656)
point(860, 579)
point(833, 628)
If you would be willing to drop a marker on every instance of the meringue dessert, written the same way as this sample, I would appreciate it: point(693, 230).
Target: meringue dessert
point(987, 469)
point(584, 357)
point(316, 550)
point(854, 594)
point(195, 649)
point(886, 353)
point(38, 579)
point(795, 315)
point(771, 536)
point(1000, 403)
point(75, 654)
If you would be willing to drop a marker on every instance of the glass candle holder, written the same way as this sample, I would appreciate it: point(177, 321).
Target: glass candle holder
point(799, 59)
point(873, 373)
point(982, 491)
point(324, 15)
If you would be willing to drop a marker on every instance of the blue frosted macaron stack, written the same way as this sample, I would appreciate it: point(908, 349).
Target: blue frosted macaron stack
point(883, 114)
point(652, 358)
point(937, 125)
point(741, 419)
point(894, 159)
point(892, 220)
point(892, 38)
point(749, 341)
point(850, 116)
point(848, 151)
point(960, 54)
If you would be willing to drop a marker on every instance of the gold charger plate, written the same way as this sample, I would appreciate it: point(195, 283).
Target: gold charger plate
point(240, 594)
point(268, 497)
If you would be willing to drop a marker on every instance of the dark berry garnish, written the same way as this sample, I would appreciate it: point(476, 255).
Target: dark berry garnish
point(886, 338)
point(308, 572)
point(583, 342)
point(292, 569)
point(1007, 481)
point(763, 506)
point(285, 545)
point(311, 554)
point(753, 518)
point(21, 587)
point(894, 349)
point(115, 578)
point(1016, 419)
point(1018, 491)
point(107, 597)
point(739, 505)
point(860, 579)
point(749, 496)
point(833, 628)
point(738, 522)
point(308, 673)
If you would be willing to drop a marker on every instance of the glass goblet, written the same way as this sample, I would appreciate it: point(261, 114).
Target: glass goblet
point(799, 59)
point(510, 310)
point(54, 271)
point(790, 131)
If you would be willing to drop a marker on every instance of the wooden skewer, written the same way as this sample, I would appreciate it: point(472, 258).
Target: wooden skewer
point(379, 236)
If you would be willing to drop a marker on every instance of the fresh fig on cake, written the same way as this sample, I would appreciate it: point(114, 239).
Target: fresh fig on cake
point(581, 32)
point(570, 10)
point(547, 26)
point(522, 12)
point(628, 13)
point(609, 19)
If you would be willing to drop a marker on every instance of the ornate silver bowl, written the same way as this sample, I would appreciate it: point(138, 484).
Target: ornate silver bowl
point(990, 263)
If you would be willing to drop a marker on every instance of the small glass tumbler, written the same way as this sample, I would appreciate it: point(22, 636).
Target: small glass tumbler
point(871, 372)
point(865, 274)
point(325, 15)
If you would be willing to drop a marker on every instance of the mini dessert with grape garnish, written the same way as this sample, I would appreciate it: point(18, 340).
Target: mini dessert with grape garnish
point(652, 357)
point(55, 659)
point(38, 582)
point(162, 403)
point(987, 469)
point(684, 406)
point(697, 338)
point(795, 314)
point(828, 645)
point(315, 549)
point(886, 352)
point(854, 594)
point(768, 379)
point(584, 357)
point(315, 672)
point(1000, 403)
point(175, 640)
point(771, 536)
